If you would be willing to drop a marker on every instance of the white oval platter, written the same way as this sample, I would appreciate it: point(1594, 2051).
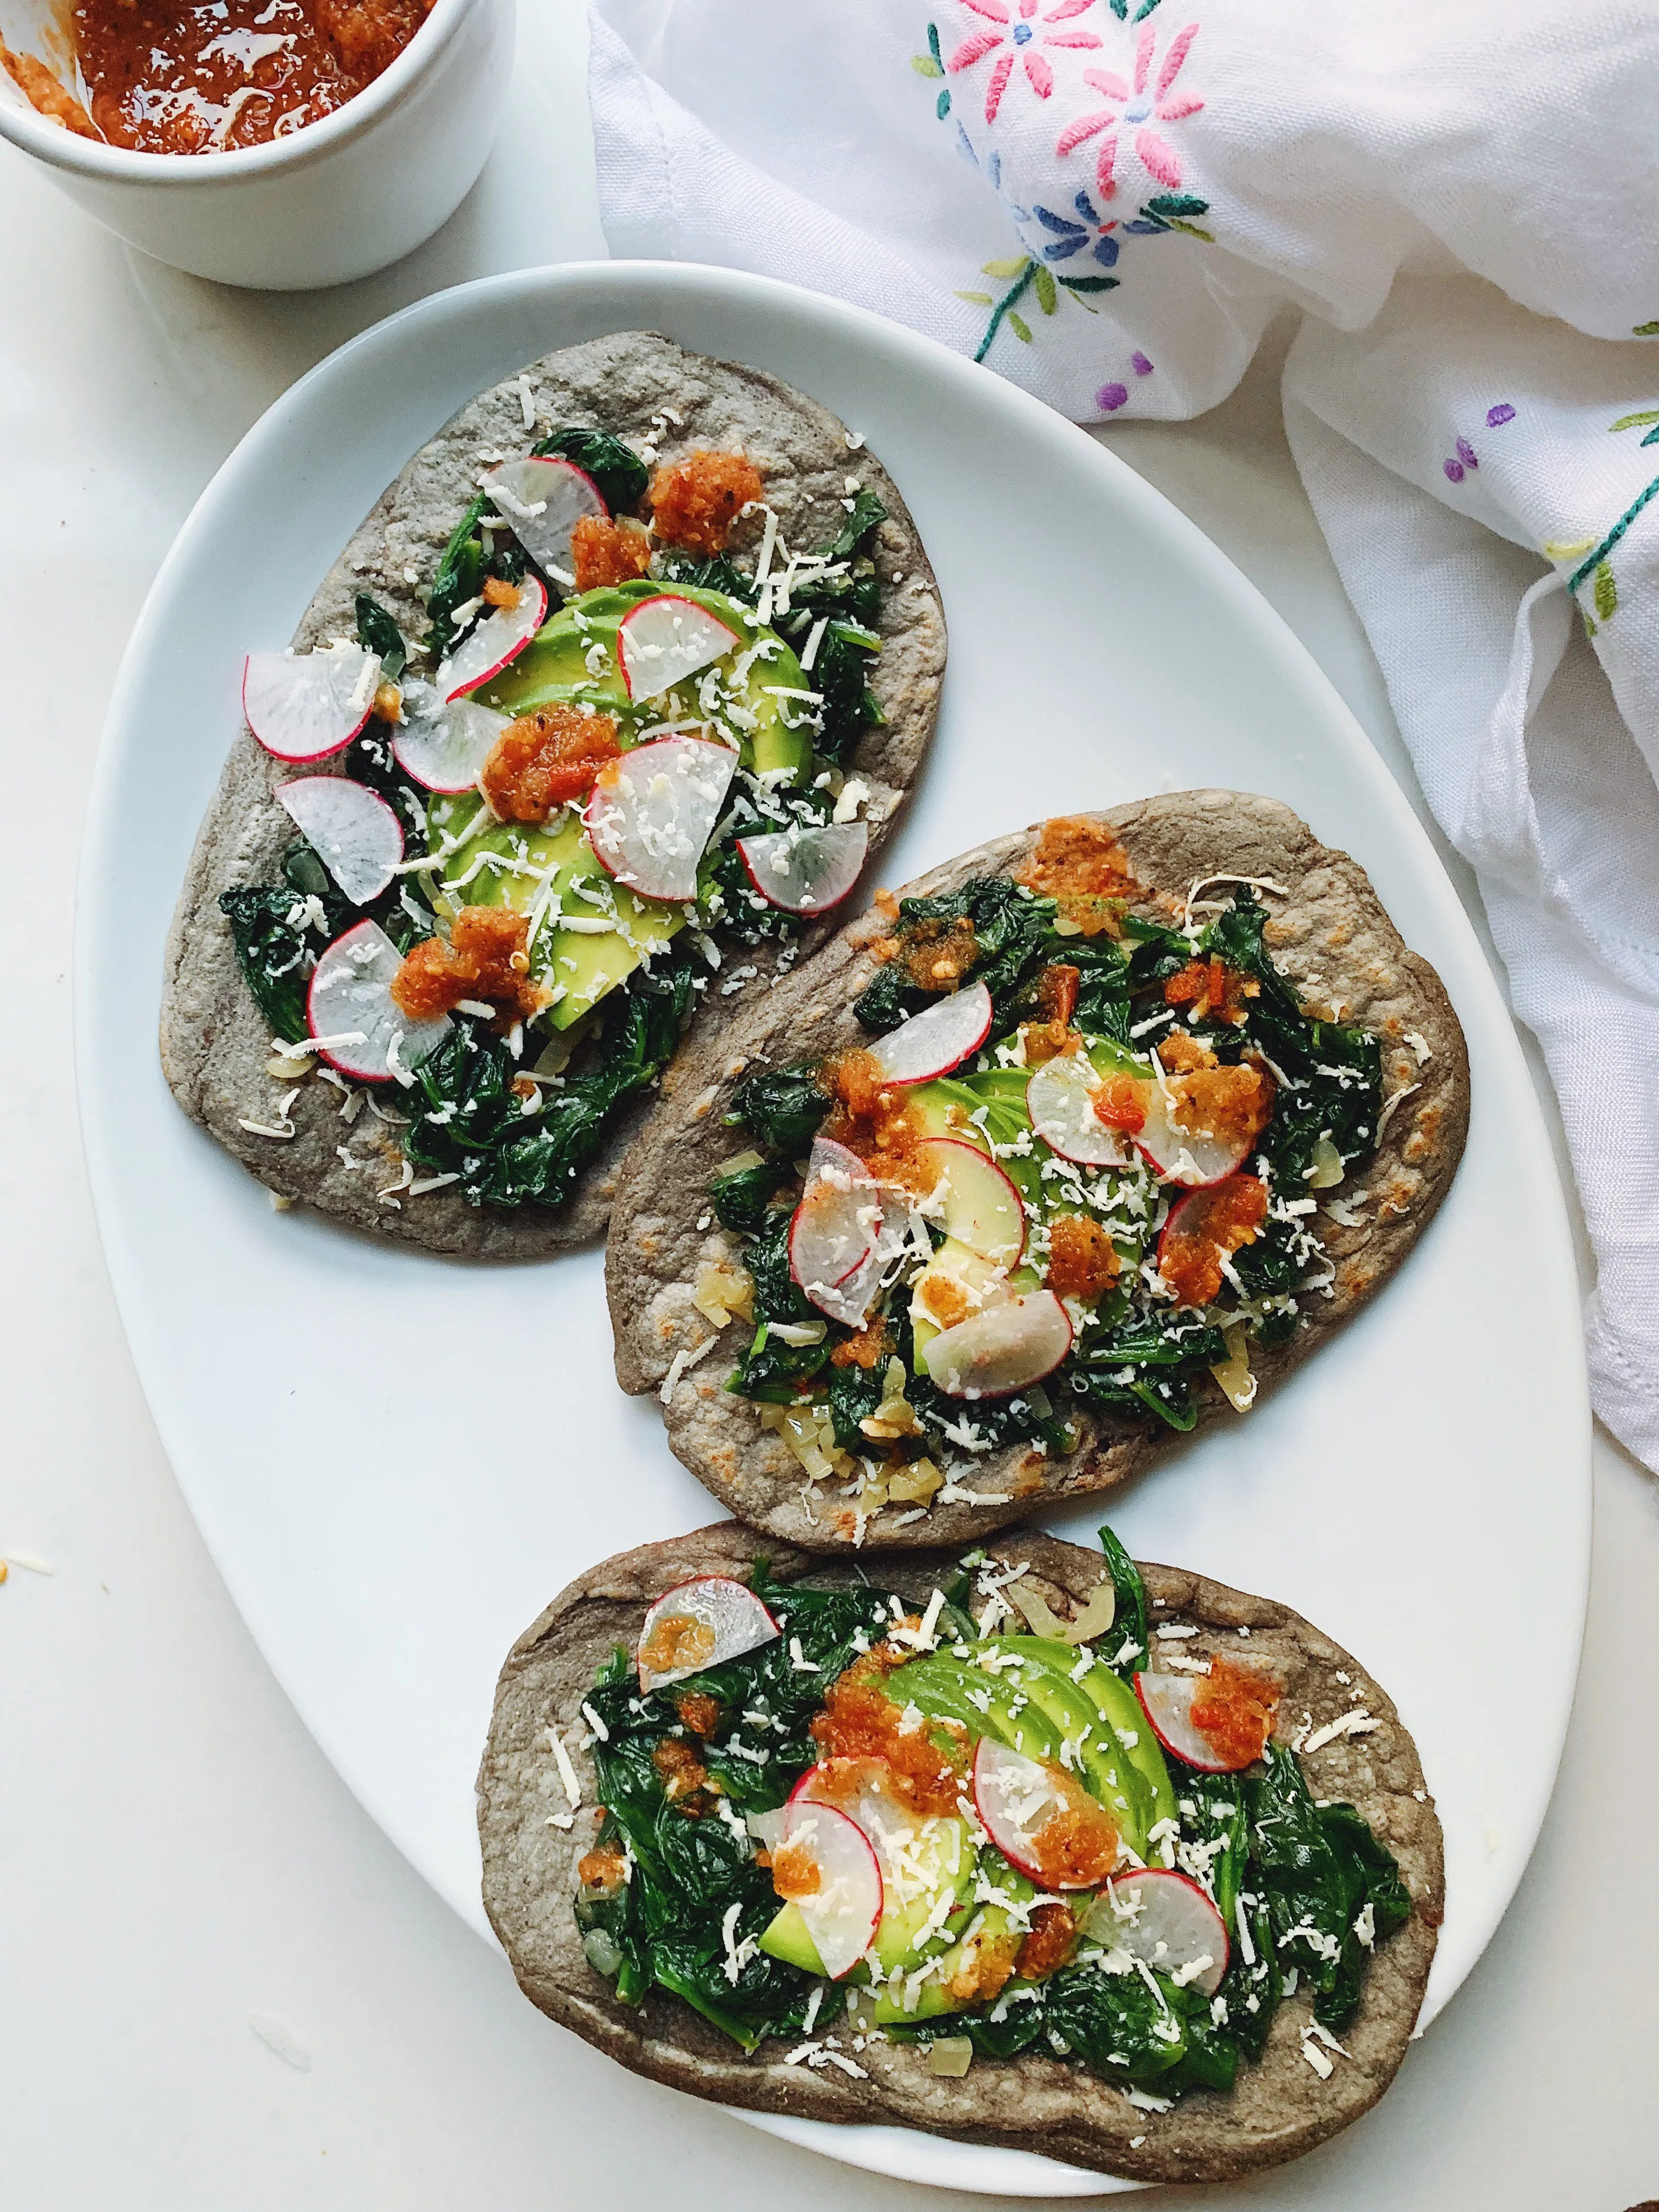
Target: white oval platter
point(1421, 1490)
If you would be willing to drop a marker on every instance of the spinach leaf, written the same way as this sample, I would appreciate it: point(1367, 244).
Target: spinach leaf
point(854, 1394)
point(468, 1122)
point(275, 948)
point(1012, 932)
point(617, 469)
point(743, 1202)
point(460, 572)
point(378, 633)
point(710, 572)
point(864, 515)
point(1129, 1613)
point(1150, 1364)
point(840, 674)
point(782, 1108)
point(770, 1370)
point(1318, 1867)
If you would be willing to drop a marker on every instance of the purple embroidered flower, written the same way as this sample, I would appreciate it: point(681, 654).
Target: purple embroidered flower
point(1496, 417)
point(1466, 454)
point(1111, 397)
point(1454, 469)
point(1141, 366)
point(1071, 237)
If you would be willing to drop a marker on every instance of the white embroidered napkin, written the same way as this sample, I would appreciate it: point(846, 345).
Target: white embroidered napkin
point(1106, 200)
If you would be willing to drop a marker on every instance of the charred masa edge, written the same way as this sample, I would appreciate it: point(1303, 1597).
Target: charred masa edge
point(212, 1041)
point(1278, 2110)
point(663, 1189)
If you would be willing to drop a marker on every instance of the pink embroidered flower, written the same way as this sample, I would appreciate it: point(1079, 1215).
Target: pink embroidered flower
point(1135, 108)
point(1017, 39)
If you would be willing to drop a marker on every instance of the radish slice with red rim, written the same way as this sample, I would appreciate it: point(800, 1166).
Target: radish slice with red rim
point(1003, 1349)
point(443, 745)
point(349, 1010)
point(843, 1910)
point(304, 706)
point(1181, 1155)
point(1015, 1798)
point(1060, 1100)
point(806, 869)
point(661, 641)
point(976, 1203)
point(1167, 1702)
point(353, 833)
point(938, 1039)
point(653, 812)
point(1164, 1919)
point(544, 499)
point(700, 1623)
point(834, 1232)
point(500, 637)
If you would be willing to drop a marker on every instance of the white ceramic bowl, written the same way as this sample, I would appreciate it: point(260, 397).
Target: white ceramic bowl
point(341, 197)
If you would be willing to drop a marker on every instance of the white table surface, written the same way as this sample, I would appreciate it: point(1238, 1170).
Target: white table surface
point(176, 1856)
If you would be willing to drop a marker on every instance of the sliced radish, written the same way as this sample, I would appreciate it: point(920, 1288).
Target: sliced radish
point(843, 1911)
point(1002, 1349)
point(698, 1625)
point(353, 833)
point(544, 499)
point(662, 641)
point(1167, 1701)
point(835, 1229)
point(350, 1005)
point(1181, 1155)
point(304, 706)
point(806, 871)
point(1164, 1919)
point(975, 1202)
point(902, 1230)
point(653, 812)
point(1015, 1798)
point(444, 745)
point(938, 1039)
point(502, 636)
point(1060, 1100)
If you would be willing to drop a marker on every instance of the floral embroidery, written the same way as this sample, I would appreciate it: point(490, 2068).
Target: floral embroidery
point(1121, 9)
point(1071, 237)
point(1458, 466)
point(1016, 37)
point(1596, 566)
point(1111, 397)
point(1138, 361)
point(1135, 108)
point(1496, 417)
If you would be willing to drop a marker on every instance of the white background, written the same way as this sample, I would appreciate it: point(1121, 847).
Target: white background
point(175, 1854)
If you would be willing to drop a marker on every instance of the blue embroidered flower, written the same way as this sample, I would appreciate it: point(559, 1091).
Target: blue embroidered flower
point(991, 173)
point(1070, 238)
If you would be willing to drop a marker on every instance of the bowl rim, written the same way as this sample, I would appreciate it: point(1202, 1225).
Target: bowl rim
point(91, 158)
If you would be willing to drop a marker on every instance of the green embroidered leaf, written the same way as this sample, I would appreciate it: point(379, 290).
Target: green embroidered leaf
point(1590, 627)
point(1048, 298)
point(1646, 330)
point(1636, 421)
point(1171, 204)
point(924, 65)
point(1606, 592)
point(942, 106)
point(977, 299)
point(1006, 268)
point(932, 41)
point(1090, 283)
point(1193, 231)
point(1145, 11)
point(1019, 326)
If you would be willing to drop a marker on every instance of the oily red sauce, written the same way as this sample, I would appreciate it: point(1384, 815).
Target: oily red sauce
point(604, 552)
point(986, 1966)
point(860, 1726)
point(45, 95)
point(1049, 1942)
point(1233, 1708)
point(795, 1872)
point(166, 79)
point(1119, 1104)
point(1078, 1846)
point(605, 1869)
point(681, 1771)
point(677, 1640)
point(699, 1713)
point(1083, 867)
point(543, 759)
point(1082, 1258)
point(694, 502)
point(873, 1118)
point(1210, 988)
point(485, 959)
point(865, 1350)
point(1213, 1223)
point(935, 955)
point(1211, 1100)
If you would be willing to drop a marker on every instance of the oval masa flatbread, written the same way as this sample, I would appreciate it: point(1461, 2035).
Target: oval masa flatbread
point(1281, 2105)
point(660, 398)
point(1328, 935)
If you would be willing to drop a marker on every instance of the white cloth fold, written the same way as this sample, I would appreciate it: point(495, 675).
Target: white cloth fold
point(1107, 200)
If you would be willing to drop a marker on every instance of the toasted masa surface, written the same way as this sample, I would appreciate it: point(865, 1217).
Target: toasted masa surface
point(1329, 934)
point(1279, 2107)
point(215, 1041)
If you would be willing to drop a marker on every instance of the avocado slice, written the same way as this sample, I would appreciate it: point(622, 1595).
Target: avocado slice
point(1106, 1771)
point(939, 1685)
point(944, 1860)
point(573, 656)
point(1119, 1709)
